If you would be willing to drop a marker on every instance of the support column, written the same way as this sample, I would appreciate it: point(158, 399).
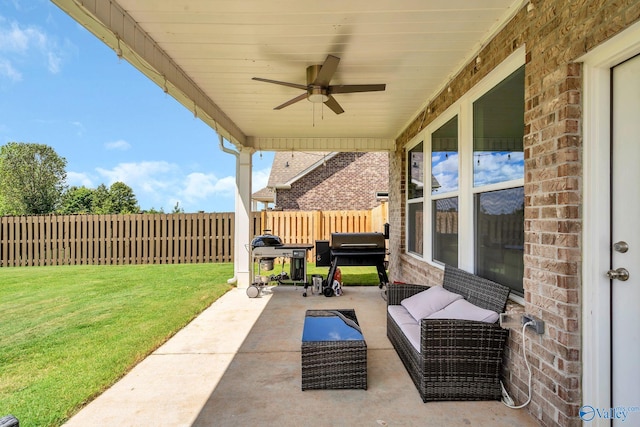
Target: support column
point(242, 257)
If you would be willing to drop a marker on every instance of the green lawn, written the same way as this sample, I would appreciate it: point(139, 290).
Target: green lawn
point(67, 333)
point(351, 276)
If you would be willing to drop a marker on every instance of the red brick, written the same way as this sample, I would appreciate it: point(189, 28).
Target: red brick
point(556, 33)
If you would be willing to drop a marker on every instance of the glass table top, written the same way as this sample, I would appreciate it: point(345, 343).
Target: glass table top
point(331, 325)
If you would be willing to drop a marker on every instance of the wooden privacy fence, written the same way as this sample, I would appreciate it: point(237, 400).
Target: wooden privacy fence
point(160, 238)
point(305, 227)
point(116, 239)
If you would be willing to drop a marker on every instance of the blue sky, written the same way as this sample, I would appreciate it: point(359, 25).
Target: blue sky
point(61, 86)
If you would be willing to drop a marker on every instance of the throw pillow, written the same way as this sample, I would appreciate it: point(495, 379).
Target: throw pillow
point(427, 302)
point(464, 310)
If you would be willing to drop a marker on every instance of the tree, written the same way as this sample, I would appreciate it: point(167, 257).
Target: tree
point(123, 201)
point(177, 209)
point(76, 200)
point(154, 211)
point(118, 199)
point(101, 200)
point(32, 178)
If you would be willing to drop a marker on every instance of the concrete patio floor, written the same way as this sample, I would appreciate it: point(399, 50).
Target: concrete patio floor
point(238, 364)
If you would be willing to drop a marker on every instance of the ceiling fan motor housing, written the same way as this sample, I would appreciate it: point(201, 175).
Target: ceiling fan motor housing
point(312, 73)
point(318, 88)
point(316, 93)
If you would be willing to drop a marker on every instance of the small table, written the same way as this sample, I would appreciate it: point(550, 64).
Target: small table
point(334, 352)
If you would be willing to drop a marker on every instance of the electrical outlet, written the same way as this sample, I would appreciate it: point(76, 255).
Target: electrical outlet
point(536, 324)
point(510, 321)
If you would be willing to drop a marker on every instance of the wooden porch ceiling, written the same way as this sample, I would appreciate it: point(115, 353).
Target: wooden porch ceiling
point(205, 53)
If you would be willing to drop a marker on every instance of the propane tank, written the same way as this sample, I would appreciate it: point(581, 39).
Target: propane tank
point(338, 275)
point(337, 283)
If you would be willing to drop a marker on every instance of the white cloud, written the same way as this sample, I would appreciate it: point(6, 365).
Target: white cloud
point(445, 170)
point(161, 184)
point(7, 69)
point(79, 179)
point(146, 176)
point(492, 167)
point(54, 61)
point(120, 144)
point(19, 43)
point(260, 178)
point(200, 186)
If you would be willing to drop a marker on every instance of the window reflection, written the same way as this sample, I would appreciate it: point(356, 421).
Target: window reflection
point(415, 172)
point(498, 131)
point(497, 166)
point(445, 231)
point(415, 236)
point(500, 236)
point(444, 158)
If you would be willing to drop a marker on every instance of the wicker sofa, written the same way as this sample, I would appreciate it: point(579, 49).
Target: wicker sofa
point(458, 359)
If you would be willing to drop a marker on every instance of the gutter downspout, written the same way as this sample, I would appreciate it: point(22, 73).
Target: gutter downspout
point(227, 150)
point(234, 279)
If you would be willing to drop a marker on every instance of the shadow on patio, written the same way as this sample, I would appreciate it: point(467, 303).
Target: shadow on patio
point(238, 363)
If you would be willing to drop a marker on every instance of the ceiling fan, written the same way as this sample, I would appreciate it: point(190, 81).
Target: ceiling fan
point(318, 89)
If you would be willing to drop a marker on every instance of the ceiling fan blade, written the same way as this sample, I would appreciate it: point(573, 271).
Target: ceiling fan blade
point(333, 104)
point(294, 85)
point(292, 101)
point(327, 71)
point(356, 88)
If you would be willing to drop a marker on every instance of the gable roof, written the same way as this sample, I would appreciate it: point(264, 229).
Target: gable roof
point(265, 195)
point(288, 167)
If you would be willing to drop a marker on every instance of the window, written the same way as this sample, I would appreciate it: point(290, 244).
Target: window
point(474, 217)
point(499, 223)
point(445, 231)
point(498, 131)
point(444, 187)
point(415, 190)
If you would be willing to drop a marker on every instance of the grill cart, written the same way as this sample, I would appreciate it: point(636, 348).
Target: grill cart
point(264, 250)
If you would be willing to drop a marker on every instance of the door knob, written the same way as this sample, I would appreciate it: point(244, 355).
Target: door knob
point(621, 274)
point(621, 247)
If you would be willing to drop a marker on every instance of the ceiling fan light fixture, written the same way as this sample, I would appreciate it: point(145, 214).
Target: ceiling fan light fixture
point(317, 95)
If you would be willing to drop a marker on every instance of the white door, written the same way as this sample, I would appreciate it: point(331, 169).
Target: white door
point(625, 228)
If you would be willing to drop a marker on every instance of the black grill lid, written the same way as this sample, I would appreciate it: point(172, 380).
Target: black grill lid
point(357, 241)
point(266, 240)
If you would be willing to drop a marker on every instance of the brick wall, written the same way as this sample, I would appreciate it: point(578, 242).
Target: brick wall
point(555, 34)
point(345, 181)
point(396, 209)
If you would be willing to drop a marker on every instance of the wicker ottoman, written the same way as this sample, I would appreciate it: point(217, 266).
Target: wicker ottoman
point(334, 352)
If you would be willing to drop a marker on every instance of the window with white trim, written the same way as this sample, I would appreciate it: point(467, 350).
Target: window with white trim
point(444, 193)
point(415, 192)
point(474, 215)
point(498, 169)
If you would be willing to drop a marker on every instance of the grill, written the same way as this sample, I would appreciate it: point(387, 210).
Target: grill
point(264, 250)
point(357, 241)
point(356, 249)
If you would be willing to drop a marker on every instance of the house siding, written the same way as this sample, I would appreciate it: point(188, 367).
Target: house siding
point(345, 181)
point(555, 34)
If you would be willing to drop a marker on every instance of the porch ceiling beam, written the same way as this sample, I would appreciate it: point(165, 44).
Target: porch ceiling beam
point(117, 29)
point(321, 144)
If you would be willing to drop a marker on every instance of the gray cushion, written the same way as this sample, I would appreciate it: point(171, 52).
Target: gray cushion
point(400, 315)
point(464, 310)
point(425, 303)
point(412, 332)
